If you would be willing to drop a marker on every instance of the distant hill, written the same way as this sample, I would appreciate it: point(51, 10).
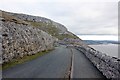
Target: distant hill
point(89, 42)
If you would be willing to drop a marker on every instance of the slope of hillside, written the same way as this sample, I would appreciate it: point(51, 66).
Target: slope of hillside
point(26, 35)
point(55, 29)
point(20, 38)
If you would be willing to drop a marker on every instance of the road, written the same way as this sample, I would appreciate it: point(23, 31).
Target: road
point(61, 63)
point(83, 68)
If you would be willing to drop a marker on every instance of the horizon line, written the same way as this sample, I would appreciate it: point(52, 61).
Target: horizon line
point(96, 34)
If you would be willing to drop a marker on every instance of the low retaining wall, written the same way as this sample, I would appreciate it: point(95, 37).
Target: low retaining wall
point(109, 66)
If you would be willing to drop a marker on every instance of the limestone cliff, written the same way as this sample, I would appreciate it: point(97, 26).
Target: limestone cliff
point(55, 29)
point(23, 34)
point(19, 38)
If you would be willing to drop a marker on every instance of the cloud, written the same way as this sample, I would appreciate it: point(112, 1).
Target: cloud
point(79, 16)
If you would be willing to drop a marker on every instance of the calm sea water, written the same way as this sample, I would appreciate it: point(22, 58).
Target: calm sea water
point(109, 49)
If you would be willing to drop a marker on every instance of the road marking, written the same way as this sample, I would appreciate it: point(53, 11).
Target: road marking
point(71, 74)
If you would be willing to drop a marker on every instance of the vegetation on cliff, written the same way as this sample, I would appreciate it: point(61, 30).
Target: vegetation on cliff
point(24, 59)
point(25, 35)
point(44, 24)
point(51, 29)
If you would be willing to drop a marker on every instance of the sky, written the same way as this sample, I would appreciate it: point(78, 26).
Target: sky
point(79, 16)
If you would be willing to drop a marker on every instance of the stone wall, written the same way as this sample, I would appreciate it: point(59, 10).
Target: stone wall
point(109, 66)
point(23, 39)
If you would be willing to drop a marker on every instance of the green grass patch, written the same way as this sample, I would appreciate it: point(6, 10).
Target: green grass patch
point(24, 59)
point(51, 29)
point(62, 36)
point(11, 18)
point(47, 27)
point(0, 67)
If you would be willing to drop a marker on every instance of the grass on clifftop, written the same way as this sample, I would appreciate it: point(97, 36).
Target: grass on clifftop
point(7, 17)
point(47, 27)
point(51, 29)
point(24, 59)
point(62, 36)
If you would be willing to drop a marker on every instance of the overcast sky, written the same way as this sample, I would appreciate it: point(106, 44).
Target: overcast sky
point(79, 16)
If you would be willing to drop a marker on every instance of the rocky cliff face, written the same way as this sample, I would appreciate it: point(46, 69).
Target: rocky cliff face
point(20, 38)
point(23, 34)
point(53, 28)
point(25, 17)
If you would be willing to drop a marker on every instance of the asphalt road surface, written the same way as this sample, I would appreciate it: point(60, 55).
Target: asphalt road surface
point(60, 63)
point(83, 68)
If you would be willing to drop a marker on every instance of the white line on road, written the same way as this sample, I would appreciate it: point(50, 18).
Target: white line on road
point(72, 65)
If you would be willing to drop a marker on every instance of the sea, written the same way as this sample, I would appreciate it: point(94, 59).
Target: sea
point(109, 49)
